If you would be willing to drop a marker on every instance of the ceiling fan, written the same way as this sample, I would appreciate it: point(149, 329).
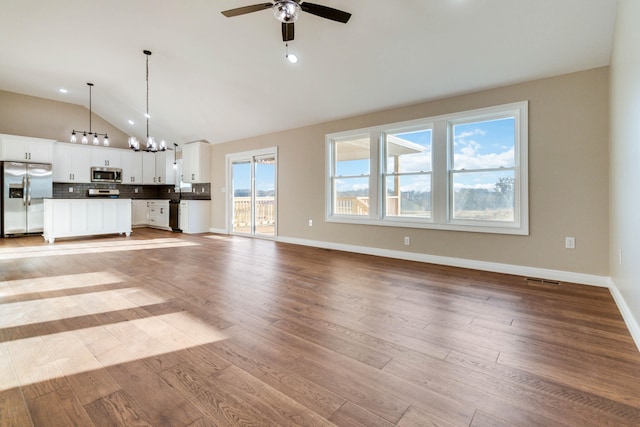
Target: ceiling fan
point(286, 11)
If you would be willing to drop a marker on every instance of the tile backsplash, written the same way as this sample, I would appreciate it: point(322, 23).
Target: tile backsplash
point(80, 191)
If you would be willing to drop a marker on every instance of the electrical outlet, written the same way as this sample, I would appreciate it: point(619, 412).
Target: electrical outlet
point(310, 223)
point(136, 190)
point(570, 242)
point(407, 240)
point(70, 189)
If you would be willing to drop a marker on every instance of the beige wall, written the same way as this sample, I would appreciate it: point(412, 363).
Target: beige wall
point(42, 118)
point(568, 178)
point(625, 160)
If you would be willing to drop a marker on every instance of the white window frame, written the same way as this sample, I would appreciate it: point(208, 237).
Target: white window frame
point(441, 186)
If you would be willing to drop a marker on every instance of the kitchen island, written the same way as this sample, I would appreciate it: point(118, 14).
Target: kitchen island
point(86, 217)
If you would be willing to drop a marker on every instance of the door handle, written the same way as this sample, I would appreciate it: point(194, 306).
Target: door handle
point(24, 193)
point(29, 192)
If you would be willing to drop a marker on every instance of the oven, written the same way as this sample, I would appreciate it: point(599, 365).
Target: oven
point(111, 193)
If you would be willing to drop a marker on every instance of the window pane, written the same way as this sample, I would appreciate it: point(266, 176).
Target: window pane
point(409, 196)
point(352, 196)
point(484, 195)
point(484, 145)
point(409, 151)
point(352, 157)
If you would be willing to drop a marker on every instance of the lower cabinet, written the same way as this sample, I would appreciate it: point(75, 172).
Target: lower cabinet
point(84, 217)
point(159, 214)
point(150, 213)
point(194, 216)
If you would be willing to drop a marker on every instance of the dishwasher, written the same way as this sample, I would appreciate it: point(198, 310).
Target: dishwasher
point(174, 215)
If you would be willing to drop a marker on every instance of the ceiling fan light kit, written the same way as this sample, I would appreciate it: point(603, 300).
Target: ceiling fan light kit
point(287, 12)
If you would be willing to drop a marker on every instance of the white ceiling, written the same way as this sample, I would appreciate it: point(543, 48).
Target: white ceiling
point(222, 79)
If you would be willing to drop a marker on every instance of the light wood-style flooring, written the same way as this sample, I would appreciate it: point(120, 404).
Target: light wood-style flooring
point(165, 329)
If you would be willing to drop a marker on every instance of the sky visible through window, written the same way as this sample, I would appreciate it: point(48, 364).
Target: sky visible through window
point(242, 177)
point(480, 145)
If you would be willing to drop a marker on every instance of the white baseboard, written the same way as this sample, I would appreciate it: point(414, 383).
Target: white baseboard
point(540, 273)
point(627, 314)
point(218, 230)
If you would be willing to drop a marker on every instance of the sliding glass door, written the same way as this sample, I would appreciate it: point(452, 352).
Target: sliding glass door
point(253, 193)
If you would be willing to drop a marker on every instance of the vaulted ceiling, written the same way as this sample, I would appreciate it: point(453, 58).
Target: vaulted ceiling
point(222, 79)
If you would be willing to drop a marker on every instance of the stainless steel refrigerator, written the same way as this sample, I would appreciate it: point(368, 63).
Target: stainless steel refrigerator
point(24, 188)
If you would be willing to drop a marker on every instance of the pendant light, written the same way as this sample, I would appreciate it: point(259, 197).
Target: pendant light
point(151, 143)
point(85, 134)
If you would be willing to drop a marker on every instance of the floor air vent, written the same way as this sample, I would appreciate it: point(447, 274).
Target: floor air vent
point(545, 281)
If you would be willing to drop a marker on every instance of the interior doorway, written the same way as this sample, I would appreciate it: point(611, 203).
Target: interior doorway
point(253, 193)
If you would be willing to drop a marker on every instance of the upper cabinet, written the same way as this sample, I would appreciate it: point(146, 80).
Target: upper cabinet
point(165, 172)
point(106, 157)
point(148, 167)
point(71, 163)
point(26, 149)
point(196, 162)
point(131, 167)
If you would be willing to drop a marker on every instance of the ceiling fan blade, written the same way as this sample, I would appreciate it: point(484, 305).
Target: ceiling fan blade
point(247, 9)
point(326, 12)
point(287, 32)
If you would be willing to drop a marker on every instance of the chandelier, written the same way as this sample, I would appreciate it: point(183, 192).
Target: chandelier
point(151, 143)
point(85, 134)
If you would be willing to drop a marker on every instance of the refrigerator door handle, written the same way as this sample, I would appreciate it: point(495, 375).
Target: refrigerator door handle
point(24, 193)
point(28, 192)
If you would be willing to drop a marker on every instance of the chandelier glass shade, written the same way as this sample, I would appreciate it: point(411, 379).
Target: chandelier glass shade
point(90, 133)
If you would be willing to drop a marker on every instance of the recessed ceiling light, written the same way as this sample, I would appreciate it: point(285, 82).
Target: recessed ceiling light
point(131, 122)
point(63, 90)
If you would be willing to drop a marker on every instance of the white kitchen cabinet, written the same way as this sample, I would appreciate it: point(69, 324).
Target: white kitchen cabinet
point(194, 216)
point(82, 217)
point(159, 214)
point(157, 168)
point(71, 163)
point(131, 167)
point(105, 157)
point(196, 162)
point(148, 167)
point(165, 172)
point(139, 213)
point(25, 149)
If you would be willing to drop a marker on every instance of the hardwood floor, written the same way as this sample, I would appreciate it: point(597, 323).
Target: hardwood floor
point(207, 330)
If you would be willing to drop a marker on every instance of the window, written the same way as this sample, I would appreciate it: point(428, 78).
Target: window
point(351, 173)
point(407, 176)
point(464, 171)
point(483, 170)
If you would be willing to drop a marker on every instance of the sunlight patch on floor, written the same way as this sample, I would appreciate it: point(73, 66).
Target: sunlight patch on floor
point(46, 357)
point(65, 307)
point(17, 288)
point(90, 247)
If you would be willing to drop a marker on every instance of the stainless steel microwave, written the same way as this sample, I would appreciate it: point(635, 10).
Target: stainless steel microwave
point(106, 175)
